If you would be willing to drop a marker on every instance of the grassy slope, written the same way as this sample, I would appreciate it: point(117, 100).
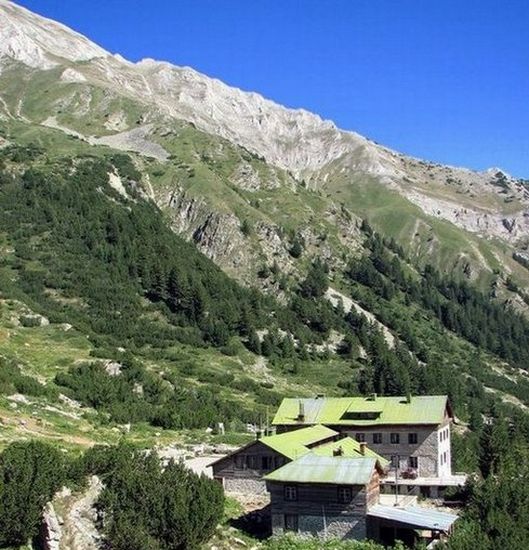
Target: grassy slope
point(86, 109)
point(45, 350)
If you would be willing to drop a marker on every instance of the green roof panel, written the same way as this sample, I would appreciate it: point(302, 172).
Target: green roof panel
point(312, 468)
point(362, 411)
point(298, 442)
point(350, 449)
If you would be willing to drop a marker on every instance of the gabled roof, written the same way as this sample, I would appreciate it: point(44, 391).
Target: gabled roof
point(297, 442)
point(339, 470)
point(363, 411)
point(291, 444)
point(350, 448)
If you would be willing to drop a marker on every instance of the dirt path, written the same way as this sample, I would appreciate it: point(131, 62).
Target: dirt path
point(79, 530)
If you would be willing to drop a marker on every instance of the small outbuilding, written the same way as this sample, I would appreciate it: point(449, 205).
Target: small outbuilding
point(242, 471)
point(410, 524)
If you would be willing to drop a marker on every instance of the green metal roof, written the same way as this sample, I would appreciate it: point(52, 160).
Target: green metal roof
point(427, 409)
point(350, 448)
point(312, 468)
point(294, 444)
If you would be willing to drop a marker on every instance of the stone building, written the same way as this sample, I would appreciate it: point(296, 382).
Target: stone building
point(411, 432)
point(242, 471)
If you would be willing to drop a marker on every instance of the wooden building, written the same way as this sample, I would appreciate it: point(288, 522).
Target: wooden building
point(333, 495)
point(242, 471)
point(325, 496)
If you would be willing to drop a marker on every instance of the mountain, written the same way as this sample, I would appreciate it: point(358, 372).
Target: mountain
point(347, 266)
point(176, 256)
point(468, 222)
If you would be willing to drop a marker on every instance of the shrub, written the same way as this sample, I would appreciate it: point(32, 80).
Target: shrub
point(179, 511)
point(30, 473)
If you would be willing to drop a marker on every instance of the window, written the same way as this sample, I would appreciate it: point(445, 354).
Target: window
point(291, 492)
point(360, 437)
point(412, 439)
point(345, 494)
point(413, 462)
point(291, 522)
point(377, 438)
point(394, 438)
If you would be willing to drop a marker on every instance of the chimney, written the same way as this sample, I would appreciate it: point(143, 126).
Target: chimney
point(373, 397)
point(271, 430)
point(301, 413)
point(338, 451)
point(408, 398)
point(363, 446)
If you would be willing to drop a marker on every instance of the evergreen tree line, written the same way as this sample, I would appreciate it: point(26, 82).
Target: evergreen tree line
point(109, 253)
point(179, 509)
point(497, 498)
point(460, 307)
point(86, 255)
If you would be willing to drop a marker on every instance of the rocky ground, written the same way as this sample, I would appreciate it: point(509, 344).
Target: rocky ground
point(71, 520)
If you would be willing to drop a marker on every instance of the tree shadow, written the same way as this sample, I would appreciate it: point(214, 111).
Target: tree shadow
point(256, 523)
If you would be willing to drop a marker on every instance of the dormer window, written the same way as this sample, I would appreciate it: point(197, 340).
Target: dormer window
point(355, 415)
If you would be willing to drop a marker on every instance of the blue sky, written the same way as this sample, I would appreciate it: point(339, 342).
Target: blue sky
point(445, 80)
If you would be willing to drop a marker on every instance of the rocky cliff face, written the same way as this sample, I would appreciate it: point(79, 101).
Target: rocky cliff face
point(144, 104)
point(38, 42)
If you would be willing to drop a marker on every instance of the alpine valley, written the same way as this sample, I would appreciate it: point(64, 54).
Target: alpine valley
point(177, 254)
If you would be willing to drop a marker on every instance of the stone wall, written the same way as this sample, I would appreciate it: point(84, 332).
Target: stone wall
point(242, 471)
point(336, 526)
point(244, 485)
point(426, 448)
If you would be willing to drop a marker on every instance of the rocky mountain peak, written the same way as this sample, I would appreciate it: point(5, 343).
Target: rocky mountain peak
point(295, 140)
point(39, 42)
